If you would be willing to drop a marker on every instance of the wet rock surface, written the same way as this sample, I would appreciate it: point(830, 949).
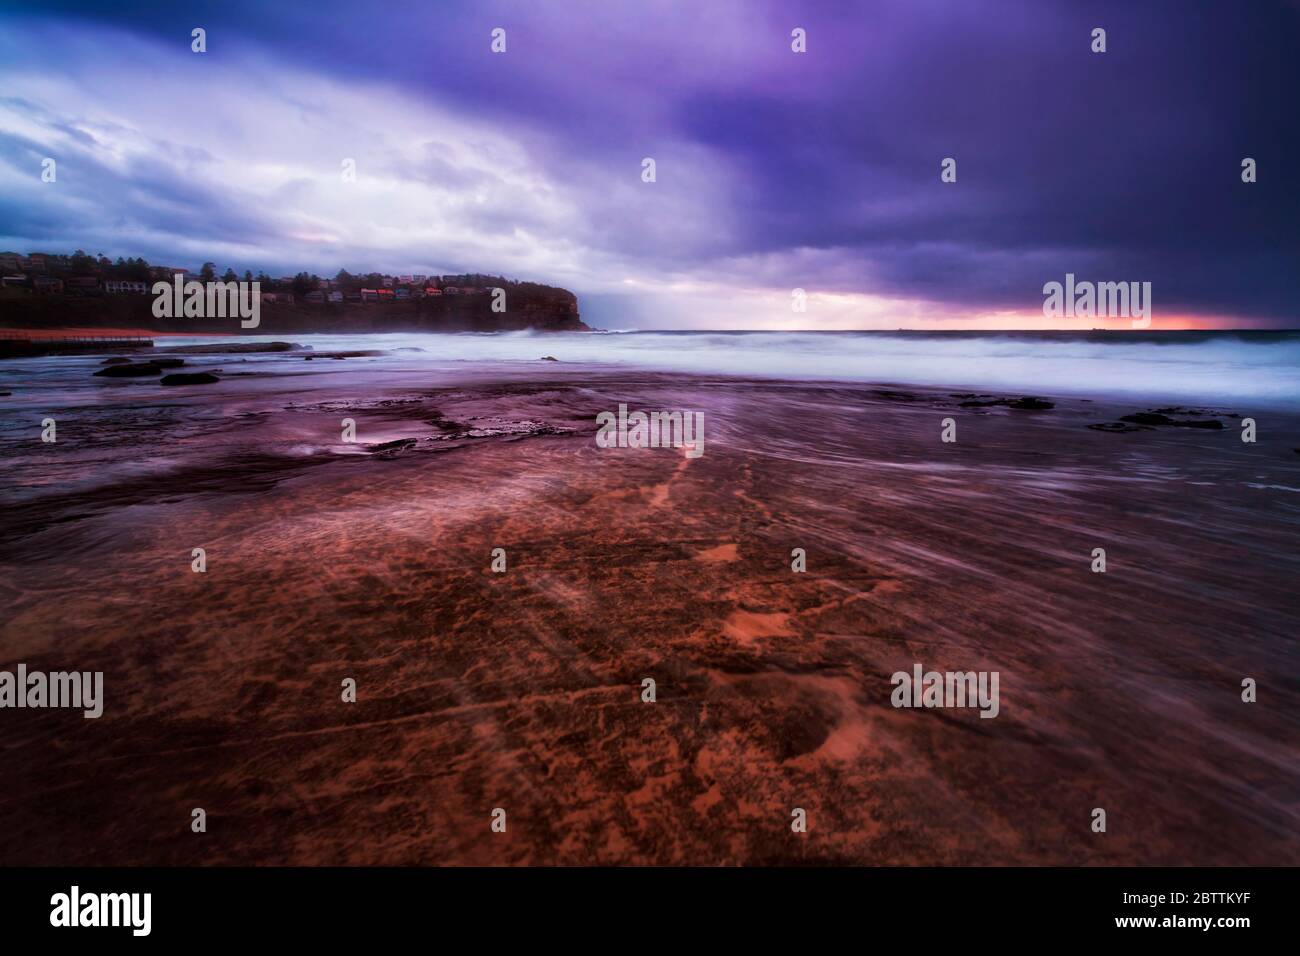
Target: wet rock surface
point(522, 689)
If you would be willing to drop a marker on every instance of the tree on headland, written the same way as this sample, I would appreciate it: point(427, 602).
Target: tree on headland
point(135, 269)
point(208, 272)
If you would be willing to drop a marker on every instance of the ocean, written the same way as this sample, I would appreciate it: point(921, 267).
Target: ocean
point(1241, 366)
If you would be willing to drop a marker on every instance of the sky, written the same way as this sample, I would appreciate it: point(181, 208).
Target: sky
point(774, 170)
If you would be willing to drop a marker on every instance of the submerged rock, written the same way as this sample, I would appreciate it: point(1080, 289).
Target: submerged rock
point(1158, 417)
point(231, 349)
point(1118, 427)
point(892, 396)
point(190, 378)
point(351, 353)
point(1025, 403)
point(130, 370)
point(1147, 418)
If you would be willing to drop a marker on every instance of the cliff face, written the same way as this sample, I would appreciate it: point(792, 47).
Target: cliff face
point(542, 308)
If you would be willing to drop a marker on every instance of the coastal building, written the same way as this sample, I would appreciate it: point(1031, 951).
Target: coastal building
point(336, 296)
point(315, 296)
point(125, 287)
point(9, 262)
point(432, 290)
point(369, 295)
point(451, 290)
point(13, 281)
point(47, 284)
point(402, 294)
point(82, 285)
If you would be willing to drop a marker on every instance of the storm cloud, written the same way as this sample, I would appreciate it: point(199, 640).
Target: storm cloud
point(775, 170)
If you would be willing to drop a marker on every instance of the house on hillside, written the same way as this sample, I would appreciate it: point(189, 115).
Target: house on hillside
point(82, 285)
point(125, 287)
point(47, 284)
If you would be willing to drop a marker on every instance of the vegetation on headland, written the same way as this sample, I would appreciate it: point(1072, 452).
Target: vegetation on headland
point(42, 291)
